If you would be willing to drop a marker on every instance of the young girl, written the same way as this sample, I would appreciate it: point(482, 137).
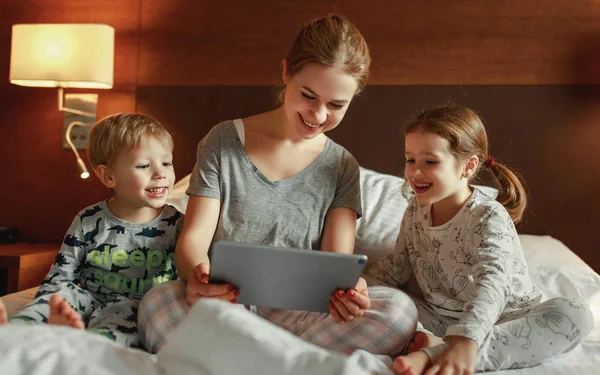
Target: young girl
point(276, 179)
point(463, 251)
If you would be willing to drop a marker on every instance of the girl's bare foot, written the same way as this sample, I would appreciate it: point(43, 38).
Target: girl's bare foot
point(413, 364)
point(3, 316)
point(62, 314)
point(423, 340)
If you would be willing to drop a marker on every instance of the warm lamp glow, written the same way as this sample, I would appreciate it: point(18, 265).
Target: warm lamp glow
point(62, 55)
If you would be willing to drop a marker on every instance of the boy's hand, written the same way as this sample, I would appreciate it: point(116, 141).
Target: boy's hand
point(459, 359)
point(348, 305)
point(198, 287)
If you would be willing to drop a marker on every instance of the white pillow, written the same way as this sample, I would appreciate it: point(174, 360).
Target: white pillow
point(383, 208)
point(557, 271)
point(178, 198)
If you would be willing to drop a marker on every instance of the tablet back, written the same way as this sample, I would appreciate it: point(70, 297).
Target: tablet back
point(284, 278)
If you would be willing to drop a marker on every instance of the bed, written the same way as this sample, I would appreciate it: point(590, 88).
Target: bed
point(259, 348)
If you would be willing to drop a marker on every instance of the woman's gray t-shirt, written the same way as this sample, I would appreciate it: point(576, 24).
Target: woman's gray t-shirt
point(287, 213)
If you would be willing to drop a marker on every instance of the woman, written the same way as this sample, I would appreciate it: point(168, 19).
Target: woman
point(276, 179)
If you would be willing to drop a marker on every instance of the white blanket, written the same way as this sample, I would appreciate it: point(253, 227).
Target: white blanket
point(216, 338)
point(220, 339)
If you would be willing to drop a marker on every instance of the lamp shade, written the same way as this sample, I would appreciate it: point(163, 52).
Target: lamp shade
point(62, 55)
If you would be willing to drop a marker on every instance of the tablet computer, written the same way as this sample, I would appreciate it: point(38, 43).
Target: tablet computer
point(278, 277)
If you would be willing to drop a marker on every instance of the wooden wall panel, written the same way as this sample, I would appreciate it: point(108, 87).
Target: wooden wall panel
point(219, 43)
point(190, 112)
point(42, 190)
point(432, 42)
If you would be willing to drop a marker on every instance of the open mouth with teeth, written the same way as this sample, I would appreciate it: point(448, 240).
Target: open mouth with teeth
point(420, 188)
point(309, 124)
point(158, 192)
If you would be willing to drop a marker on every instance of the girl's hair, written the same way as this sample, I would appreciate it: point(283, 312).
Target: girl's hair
point(466, 135)
point(332, 41)
point(122, 131)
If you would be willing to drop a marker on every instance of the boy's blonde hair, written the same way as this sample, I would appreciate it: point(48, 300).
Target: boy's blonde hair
point(122, 131)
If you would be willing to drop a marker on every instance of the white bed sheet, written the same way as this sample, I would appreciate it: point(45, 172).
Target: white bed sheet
point(219, 339)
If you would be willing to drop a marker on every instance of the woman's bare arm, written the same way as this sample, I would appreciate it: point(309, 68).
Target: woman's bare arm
point(201, 218)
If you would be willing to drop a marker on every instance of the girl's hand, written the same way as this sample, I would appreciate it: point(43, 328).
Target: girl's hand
point(348, 305)
point(459, 359)
point(198, 287)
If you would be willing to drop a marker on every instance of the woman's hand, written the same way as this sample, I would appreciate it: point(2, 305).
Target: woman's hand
point(459, 359)
point(348, 305)
point(198, 287)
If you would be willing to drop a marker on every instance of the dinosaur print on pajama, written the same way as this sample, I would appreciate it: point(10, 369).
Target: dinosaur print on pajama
point(105, 266)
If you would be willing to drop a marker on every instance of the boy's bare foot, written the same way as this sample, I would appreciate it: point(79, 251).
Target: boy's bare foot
point(62, 314)
point(3, 316)
point(413, 364)
point(423, 340)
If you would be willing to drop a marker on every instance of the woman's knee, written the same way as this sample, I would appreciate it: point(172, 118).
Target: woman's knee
point(170, 287)
point(392, 301)
point(166, 294)
point(395, 307)
point(160, 311)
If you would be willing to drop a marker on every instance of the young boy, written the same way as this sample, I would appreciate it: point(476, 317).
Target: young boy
point(115, 250)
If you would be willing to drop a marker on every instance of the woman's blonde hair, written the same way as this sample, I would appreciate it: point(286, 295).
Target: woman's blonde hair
point(466, 135)
point(122, 131)
point(331, 41)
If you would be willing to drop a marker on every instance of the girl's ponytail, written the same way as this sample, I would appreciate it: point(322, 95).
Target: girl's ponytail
point(511, 192)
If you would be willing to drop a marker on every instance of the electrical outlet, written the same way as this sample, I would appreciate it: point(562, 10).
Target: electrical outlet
point(81, 129)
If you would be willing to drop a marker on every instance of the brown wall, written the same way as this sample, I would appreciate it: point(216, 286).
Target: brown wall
point(193, 63)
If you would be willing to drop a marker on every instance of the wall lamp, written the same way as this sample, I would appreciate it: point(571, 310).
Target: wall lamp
point(65, 56)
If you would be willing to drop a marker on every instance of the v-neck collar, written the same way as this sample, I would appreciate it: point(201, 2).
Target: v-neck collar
point(262, 176)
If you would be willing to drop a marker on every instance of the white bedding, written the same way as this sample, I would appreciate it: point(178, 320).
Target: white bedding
point(219, 339)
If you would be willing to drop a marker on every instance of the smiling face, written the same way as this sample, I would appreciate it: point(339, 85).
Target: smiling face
point(316, 99)
point(141, 177)
point(434, 174)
